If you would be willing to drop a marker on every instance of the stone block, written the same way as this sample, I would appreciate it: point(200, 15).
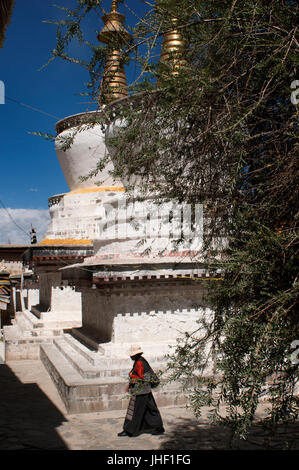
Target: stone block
point(21, 351)
point(115, 404)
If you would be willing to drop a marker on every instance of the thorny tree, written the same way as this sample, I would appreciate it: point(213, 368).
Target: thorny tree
point(221, 130)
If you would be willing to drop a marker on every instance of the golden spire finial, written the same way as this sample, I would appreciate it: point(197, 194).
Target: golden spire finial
point(114, 83)
point(173, 47)
point(114, 6)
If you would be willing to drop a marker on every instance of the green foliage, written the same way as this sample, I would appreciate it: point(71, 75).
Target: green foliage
point(45, 136)
point(236, 152)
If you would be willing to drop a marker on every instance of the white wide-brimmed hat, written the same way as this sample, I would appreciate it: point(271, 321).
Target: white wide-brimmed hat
point(135, 349)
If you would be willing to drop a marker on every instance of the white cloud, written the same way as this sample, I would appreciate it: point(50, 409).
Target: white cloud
point(11, 233)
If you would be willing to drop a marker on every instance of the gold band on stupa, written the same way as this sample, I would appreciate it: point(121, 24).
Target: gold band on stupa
point(114, 83)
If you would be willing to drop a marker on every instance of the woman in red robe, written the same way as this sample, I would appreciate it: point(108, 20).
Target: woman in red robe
point(142, 414)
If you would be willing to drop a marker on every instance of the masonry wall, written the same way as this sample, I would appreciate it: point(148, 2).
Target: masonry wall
point(31, 297)
point(13, 267)
point(65, 299)
point(143, 314)
point(47, 281)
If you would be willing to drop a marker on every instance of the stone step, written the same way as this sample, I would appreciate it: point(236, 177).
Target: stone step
point(36, 311)
point(47, 333)
point(58, 362)
point(12, 333)
point(89, 355)
point(70, 319)
point(23, 327)
point(86, 339)
point(32, 327)
point(17, 334)
point(67, 319)
point(76, 359)
point(100, 366)
point(21, 345)
point(79, 394)
point(32, 322)
point(51, 321)
point(27, 316)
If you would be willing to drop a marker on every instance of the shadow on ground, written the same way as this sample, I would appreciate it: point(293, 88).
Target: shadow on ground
point(189, 434)
point(28, 419)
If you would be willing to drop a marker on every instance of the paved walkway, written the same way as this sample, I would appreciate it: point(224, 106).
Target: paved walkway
point(32, 416)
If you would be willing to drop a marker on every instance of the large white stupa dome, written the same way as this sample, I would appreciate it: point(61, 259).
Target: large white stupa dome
point(87, 148)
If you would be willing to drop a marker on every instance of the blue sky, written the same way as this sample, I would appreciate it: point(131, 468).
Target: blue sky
point(29, 167)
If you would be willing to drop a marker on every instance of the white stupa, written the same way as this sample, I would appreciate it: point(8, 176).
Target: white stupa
point(90, 214)
point(76, 216)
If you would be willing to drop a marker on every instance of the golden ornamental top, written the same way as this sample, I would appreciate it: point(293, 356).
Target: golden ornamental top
point(114, 6)
point(113, 30)
point(173, 47)
point(114, 83)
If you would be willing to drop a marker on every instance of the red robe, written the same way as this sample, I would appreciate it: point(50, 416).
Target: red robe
point(142, 413)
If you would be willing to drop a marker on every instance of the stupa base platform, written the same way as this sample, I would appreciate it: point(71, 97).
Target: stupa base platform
point(89, 381)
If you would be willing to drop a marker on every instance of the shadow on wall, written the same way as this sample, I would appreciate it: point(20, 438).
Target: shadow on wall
point(147, 312)
point(27, 417)
point(191, 434)
point(18, 306)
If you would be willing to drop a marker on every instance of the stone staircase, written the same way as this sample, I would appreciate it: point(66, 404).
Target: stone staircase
point(90, 381)
point(30, 329)
point(85, 380)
